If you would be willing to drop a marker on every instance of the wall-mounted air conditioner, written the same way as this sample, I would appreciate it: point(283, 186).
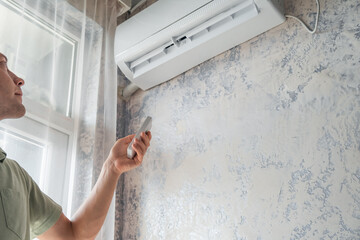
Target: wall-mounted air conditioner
point(172, 36)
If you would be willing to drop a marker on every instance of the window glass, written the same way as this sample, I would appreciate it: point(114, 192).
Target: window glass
point(29, 153)
point(44, 58)
point(44, 152)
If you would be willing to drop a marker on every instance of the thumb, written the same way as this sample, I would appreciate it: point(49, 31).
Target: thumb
point(129, 138)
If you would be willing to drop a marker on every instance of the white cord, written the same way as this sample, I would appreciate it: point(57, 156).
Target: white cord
point(316, 20)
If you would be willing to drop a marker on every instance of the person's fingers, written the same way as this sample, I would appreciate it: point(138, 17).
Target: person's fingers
point(128, 139)
point(139, 146)
point(148, 133)
point(145, 138)
point(138, 160)
point(138, 157)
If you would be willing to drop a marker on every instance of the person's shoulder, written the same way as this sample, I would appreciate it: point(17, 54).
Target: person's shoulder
point(15, 167)
point(12, 163)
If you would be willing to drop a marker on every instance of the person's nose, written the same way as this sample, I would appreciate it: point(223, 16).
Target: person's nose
point(19, 81)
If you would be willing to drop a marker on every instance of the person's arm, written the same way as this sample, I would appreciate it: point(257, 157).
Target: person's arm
point(88, 220)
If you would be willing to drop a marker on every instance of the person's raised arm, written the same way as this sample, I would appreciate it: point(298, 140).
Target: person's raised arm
point(88, 220)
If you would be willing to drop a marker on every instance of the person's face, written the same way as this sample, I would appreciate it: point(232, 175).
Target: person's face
point(10, 92)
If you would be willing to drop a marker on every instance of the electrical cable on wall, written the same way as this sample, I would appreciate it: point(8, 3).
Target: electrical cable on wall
point(316, 20)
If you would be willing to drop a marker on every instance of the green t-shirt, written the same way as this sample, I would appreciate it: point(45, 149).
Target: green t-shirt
point(25, 211)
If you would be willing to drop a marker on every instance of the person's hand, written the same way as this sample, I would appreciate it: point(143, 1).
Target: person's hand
point(118, 154)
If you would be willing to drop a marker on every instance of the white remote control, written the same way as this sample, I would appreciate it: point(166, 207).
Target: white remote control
point(146, 126)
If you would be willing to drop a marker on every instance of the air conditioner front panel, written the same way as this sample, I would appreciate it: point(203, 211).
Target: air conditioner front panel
point(131, 46)
point(217, 34)
point(153, 19)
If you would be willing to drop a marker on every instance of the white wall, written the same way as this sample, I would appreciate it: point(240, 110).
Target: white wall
point(260, 142)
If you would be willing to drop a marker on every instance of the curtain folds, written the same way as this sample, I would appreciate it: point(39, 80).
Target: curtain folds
point(64, 50)
point(97, 129)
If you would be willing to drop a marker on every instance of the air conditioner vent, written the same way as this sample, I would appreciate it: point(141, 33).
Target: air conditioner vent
point(212, 27)
point(217, 23)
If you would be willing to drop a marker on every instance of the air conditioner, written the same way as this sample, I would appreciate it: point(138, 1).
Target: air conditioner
point(172, 36)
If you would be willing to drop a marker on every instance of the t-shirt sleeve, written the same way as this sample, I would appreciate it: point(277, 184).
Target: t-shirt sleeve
point(43, 211)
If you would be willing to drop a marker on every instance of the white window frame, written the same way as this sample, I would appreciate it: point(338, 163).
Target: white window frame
point(49, 118)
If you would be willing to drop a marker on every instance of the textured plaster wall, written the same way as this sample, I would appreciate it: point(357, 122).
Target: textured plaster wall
point(260, 142)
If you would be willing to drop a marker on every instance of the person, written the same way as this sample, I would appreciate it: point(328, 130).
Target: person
point(26, 212)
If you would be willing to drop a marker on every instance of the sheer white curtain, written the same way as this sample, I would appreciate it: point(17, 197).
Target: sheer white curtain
point(64, 51)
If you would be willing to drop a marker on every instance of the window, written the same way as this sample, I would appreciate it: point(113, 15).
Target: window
point(45, 56)
point(30, 153)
